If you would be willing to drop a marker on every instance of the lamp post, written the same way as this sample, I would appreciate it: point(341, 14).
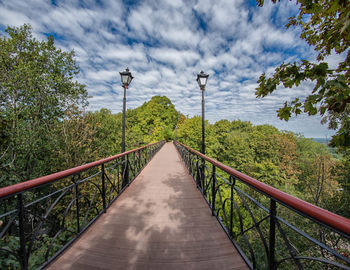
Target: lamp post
point(126, 78)
point(202, 79)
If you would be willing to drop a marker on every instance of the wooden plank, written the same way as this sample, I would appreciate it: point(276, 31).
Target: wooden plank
point(160, 222)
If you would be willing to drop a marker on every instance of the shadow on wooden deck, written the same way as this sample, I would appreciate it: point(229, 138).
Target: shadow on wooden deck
point(160, 222)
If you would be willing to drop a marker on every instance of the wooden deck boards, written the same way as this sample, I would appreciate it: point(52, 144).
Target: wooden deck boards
point(160, 222)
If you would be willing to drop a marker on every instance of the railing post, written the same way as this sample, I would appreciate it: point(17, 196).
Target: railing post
point(132, 165)
point(231, 209)
point(271, 259)
point(187, 156)
point(124, 169)
point(127, 170)
point(213, 192)
point(103, 187)
point(77, 203)
point(198, 175)
point(139, 158)
point(203, 178)
point(144, 152)
point(22, 240)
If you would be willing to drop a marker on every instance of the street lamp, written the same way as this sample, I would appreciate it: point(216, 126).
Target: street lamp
point(126, 78)
point(202, 79)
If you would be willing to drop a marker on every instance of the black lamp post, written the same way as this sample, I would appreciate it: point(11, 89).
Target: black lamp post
point(202, 79)
point(126, 78)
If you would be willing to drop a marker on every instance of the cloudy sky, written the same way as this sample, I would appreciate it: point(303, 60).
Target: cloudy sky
point(165, 43)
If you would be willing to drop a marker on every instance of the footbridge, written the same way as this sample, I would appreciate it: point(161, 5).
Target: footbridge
point(164, 206)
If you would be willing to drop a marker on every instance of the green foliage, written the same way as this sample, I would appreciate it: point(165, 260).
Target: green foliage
point(144, 125)
point(342, 201)
point(107, 138)
point(325, 26)
point(281, 159)
point(37, 88)
point(189, 132)
point(73, 140)
point(168, 134)
point(9, 243)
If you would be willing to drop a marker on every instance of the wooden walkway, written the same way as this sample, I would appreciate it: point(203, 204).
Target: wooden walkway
point(161, 221)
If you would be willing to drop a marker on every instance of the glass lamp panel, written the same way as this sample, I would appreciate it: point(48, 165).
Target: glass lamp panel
point(203, 81)
point(125, 79)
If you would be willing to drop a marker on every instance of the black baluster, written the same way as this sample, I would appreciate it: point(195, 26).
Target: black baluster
point(103, 187)
point(77, 203)
point(124, 168)
point(203, 183)
point(272, 237)
point(22, 240)
point(198, 178)
point(127, 170)
point(213, 192)
point(139, 159)
point(231, 207)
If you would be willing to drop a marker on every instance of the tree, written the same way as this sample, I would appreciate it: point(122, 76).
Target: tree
point(151, 116)
point(36, 89)
point(108, 137)
point(325, 26)
point(190, 132)
point(75, 140)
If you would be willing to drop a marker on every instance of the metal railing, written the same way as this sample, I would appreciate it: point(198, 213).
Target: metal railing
point(269, 228)
point(39, 218)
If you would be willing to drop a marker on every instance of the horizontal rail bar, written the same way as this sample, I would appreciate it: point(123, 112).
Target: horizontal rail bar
point(338, 222)
point(16, 188)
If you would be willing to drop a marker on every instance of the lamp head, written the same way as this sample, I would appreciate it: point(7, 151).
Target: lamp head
point(126, 77)
point(202, 79)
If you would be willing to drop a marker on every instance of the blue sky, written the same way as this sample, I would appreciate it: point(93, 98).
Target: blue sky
point(166, 43)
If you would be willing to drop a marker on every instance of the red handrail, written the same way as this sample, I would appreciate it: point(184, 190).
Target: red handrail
point(338, 222)
point(10, 190)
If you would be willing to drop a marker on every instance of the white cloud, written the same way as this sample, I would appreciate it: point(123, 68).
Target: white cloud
point(174, 57)
point(13, 18)
point(124, 53)
point(102, 75)
point(166, 43)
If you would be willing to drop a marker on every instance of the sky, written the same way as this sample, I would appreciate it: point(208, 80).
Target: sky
point(165, 43)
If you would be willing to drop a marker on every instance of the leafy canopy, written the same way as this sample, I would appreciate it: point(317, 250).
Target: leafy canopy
point(325, 26)
point(37, 88)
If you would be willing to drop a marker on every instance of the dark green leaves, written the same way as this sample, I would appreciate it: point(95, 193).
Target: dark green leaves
point(37, 89)
point(326, 26)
